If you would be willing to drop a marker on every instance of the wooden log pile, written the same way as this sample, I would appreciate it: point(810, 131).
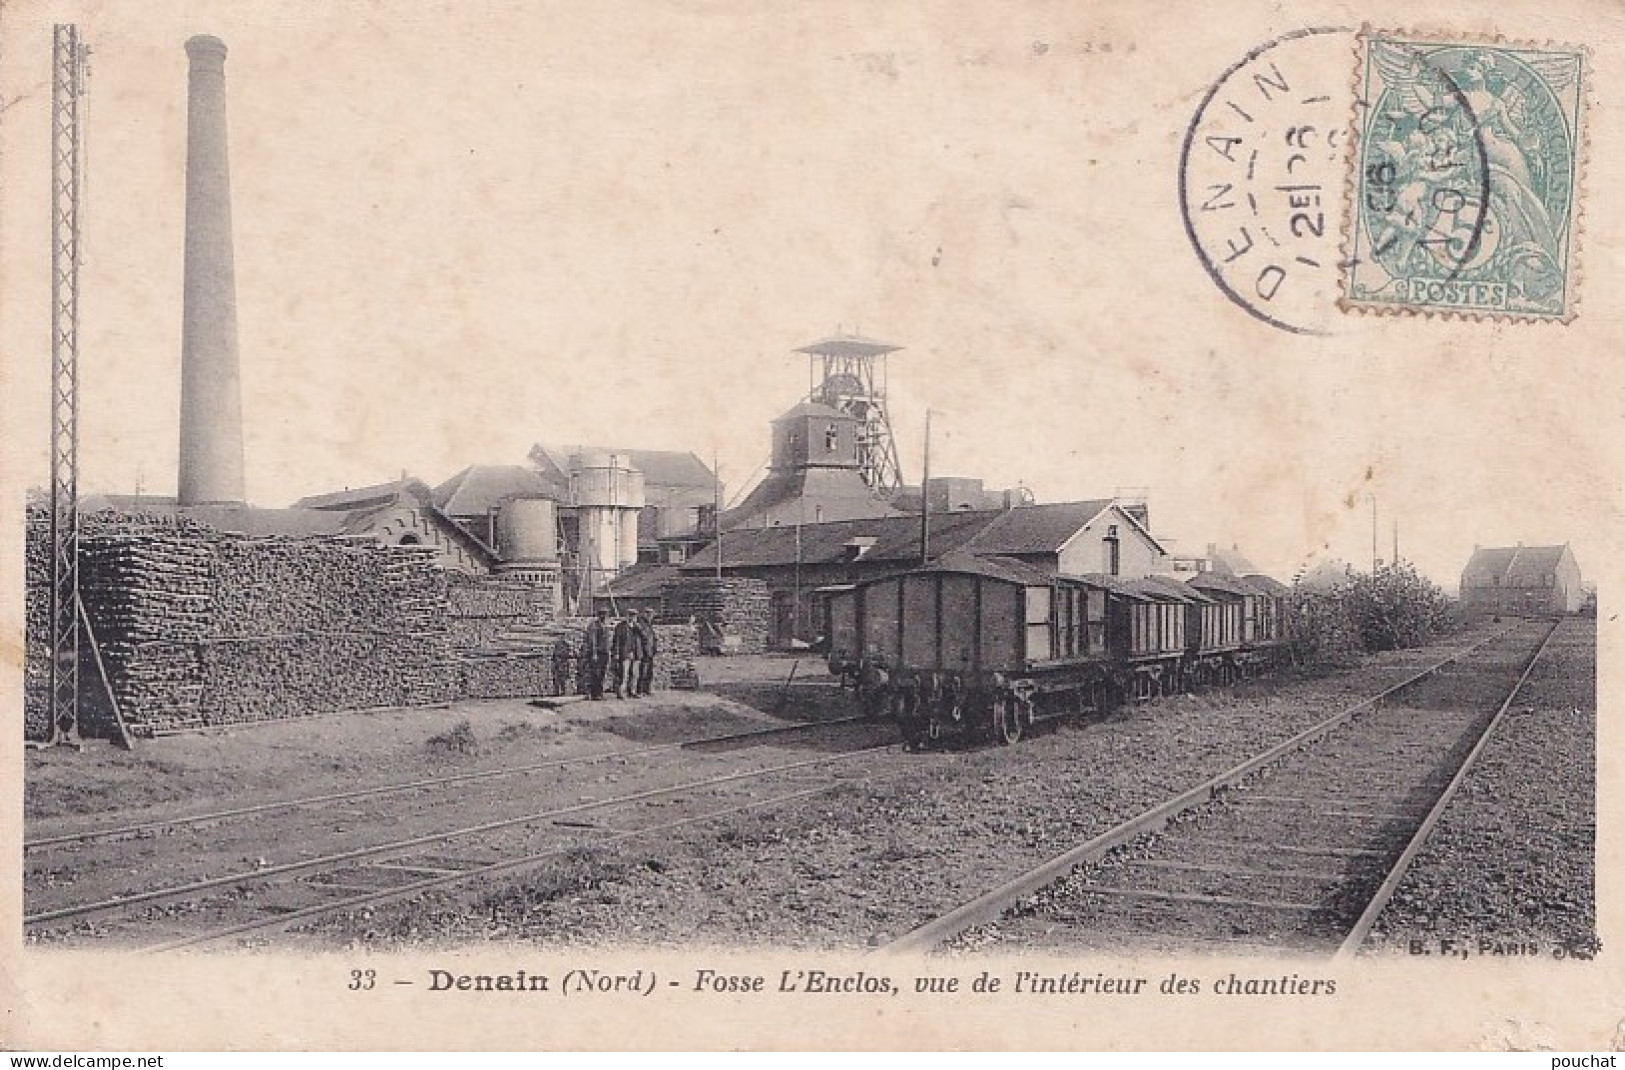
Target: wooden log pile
point(478, 611)
point(37, 626)
point(733, 612)
point(300, 675)
point(679, 649)
point(201, 628)
point(163, 544)
point(511, 675)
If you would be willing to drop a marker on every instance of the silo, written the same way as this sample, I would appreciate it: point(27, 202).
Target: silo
point(527, 531)
point(607, 490)
point(528, 541)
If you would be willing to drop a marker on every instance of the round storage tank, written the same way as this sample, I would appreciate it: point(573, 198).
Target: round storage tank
point(605, 479)
point(527, 530)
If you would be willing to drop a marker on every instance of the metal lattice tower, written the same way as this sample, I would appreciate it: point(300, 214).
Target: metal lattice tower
point(848, 372)
point(67, 175)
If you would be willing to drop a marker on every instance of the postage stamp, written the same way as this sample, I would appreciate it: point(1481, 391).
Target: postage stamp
point(1465, 178)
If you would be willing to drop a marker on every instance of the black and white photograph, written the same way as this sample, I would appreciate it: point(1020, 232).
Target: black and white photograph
point(833, 526)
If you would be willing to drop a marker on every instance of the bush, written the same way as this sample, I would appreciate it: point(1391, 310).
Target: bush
point(1396, 608)
point(1393, 608)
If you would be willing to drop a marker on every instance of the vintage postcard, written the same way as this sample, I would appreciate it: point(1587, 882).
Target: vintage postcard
point(907, 526)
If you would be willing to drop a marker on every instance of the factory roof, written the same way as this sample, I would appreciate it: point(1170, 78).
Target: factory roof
point(663, 468)
point(848, 345)
point(807, 494)
point(1025, 530)
point(1118, 585)
point(1036, 529)
point(366, 497)
point(1000, 568)
point(1167, 585)
point(479, 488)
point(241, 519)
point(642, 580)
point(894, 539)
point(253, 521)
point(89, 503)
point(1512, 566)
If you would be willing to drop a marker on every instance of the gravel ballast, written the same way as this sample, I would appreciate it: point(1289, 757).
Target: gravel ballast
point(871, 860)
point(1510, 869)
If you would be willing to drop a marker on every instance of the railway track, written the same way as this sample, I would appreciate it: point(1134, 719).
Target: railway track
point(363, 869)
point(1294, 850)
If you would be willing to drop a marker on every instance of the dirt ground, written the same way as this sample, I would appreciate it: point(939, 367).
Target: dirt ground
point(247, 764)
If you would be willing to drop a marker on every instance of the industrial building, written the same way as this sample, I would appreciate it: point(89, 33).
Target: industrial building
point(1521, 579)
point(795, 561)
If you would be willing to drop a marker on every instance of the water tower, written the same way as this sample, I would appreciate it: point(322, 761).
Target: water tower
point(848, 372)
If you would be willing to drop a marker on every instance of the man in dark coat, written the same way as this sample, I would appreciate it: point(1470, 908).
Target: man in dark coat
point(620, 652)
point(597, 654)
point(645, 644)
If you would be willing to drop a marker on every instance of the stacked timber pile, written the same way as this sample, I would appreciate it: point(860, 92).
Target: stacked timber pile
point(102, 533)
point(198, 627)
point(502, 635)
point(149, 595)
point(526, 661)
point(732, 612)
point(37, 626)
point(479, 610)
point(678, 651)
point(313, 625)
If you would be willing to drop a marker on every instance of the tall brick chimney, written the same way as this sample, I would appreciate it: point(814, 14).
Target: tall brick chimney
point(211, 455)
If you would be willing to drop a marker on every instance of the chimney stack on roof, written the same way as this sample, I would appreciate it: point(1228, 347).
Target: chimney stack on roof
point(211, 448)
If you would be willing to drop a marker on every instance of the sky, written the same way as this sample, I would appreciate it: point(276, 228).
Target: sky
point(464, 228)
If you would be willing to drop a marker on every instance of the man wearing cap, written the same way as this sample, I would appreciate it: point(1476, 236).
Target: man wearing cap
point(645, 644)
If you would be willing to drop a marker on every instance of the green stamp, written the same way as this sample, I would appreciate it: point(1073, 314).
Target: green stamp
point(1466, 171)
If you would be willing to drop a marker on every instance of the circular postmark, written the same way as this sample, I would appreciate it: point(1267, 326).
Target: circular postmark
point(1262, 176)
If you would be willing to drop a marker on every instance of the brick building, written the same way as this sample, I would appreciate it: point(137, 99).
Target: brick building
point(1521, 579)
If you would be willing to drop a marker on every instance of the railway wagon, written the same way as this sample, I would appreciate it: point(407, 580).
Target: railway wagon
point(989, 644)
point(1248, 631)
point(1269, 646)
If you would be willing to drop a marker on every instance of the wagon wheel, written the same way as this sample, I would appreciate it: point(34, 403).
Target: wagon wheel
point(1006, 720)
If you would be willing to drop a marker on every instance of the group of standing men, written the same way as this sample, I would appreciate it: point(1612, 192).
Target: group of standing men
point(624, 651)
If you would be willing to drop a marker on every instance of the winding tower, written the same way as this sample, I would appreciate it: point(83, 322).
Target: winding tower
point(847, 372)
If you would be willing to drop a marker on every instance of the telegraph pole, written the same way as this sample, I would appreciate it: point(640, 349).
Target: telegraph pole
point(1373, 536)
point(716, 507)
point(925, 497)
